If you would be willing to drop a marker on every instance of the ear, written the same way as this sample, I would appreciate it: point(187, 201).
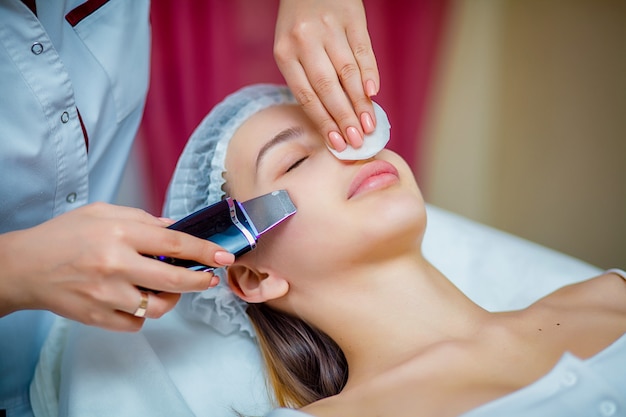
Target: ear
point(253, 286)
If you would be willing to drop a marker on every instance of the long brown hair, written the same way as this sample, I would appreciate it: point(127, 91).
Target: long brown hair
point(303, 363)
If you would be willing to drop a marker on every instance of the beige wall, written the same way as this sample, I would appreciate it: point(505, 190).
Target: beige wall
point(528, 125)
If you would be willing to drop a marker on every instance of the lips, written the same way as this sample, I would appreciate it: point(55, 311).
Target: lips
point(374, 175)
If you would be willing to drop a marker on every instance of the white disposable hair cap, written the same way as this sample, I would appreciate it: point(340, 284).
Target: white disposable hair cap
point(197, 182)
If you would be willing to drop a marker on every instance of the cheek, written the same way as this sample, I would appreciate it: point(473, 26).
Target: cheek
point(339, 234)
point(325, 236)
point(302, 246)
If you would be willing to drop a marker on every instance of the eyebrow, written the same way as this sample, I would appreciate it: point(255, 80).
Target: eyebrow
point(283, 136)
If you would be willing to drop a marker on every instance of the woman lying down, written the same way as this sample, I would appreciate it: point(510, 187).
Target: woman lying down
point(353, 321)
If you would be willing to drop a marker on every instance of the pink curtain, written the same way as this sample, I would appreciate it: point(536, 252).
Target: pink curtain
point(203, 50)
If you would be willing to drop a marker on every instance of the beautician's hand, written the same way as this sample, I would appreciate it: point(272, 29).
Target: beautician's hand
point(86, 265)
point(323, 50)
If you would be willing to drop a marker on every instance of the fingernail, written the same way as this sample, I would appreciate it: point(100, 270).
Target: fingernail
point(354, 137)
point(367, 122)
point(224, 258)
point(370, 88)
point(337, 141)
point(214, 281)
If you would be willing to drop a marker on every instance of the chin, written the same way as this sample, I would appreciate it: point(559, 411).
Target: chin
point(402, 209)
point(396, 220)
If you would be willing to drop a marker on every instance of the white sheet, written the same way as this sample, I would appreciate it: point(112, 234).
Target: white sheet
point(175, 367)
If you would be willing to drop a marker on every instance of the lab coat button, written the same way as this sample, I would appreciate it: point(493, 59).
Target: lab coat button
point(569, 379)
point(608, 408)
point(71, 197)
point(65, 117)
point(37, 48)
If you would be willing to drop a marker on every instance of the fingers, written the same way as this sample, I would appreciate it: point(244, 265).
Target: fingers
point(104, 210)
point(361, 45)
point(316, 110)
point(160, 276)
point(114, 249)
point(159, 240)
point(330, 66)
point(327, 83)
point(166, 242)
point(123, 320)
point(129, 312)
point(127, 234)
point(352, 63)
point(118, 313)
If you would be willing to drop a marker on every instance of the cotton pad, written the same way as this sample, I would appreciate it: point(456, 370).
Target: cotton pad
point(372, 143)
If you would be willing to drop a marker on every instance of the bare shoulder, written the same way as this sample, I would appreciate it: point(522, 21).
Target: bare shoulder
point(606, 291)
point(595, 308)
point(510, 351)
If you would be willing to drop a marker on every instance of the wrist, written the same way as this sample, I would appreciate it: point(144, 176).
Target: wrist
point(12, 272)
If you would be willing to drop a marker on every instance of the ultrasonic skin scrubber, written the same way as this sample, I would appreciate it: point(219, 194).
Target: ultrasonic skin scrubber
point(233, 225)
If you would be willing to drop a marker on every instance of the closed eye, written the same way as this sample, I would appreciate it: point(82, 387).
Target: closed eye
point(296, 164)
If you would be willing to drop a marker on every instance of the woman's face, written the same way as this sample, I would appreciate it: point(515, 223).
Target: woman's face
point(349, 212)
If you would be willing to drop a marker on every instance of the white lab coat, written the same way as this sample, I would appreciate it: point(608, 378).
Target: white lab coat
point(50, 70)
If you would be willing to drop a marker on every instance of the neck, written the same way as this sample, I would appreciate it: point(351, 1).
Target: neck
point(405, 307)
